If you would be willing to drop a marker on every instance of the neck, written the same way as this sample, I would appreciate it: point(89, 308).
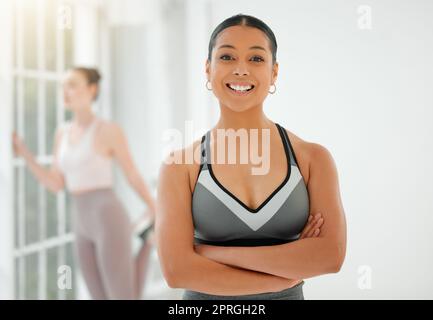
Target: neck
point(253, 118)
point(84, 117)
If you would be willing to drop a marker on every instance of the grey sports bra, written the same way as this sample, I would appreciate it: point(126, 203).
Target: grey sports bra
point(220, 218)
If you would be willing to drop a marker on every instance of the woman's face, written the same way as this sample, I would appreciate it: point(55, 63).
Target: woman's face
point(77, 93)
point(241, 69)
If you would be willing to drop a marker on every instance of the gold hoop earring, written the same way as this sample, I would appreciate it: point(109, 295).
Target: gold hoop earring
point(275, 89)
point(207, 82)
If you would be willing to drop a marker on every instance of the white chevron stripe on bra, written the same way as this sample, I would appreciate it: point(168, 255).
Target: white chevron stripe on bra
point(253, 220)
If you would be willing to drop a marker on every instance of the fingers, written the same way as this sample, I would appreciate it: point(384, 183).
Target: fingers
point(309, 225)
point(14, 143)
point(18, 145)
point(15, 137)
point(313, 226)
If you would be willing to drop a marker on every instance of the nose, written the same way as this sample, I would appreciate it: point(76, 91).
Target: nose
point(241, 70)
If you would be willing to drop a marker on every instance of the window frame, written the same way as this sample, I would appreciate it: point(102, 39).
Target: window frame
point(17, 75)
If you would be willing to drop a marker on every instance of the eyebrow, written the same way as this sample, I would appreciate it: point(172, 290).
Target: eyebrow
point(232, 47)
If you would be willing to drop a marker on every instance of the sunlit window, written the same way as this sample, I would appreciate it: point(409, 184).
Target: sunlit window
point(43, 49)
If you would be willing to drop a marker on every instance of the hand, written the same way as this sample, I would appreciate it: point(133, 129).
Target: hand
point(312, 229)
point(209, 252)
point(18, 145)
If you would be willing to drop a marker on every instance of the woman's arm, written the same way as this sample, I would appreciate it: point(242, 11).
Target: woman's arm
point(119, 145)
point(307, 257)
point(51, 178)
point(181, 265)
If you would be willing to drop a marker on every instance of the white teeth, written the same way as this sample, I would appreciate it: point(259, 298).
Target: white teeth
point(240, 88)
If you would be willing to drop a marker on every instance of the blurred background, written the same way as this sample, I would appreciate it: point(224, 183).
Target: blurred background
point(355, 76)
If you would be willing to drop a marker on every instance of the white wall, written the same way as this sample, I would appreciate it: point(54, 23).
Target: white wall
point(140, 81)
point(366, 96)
point(139, 96)
point(202, 109)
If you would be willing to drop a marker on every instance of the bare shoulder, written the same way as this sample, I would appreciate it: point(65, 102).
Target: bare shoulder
point(322, 164)
point(110, 136)
point(183, 164)
point(309, 154)
point(108, 128)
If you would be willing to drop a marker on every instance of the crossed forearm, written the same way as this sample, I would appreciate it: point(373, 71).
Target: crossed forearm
point(299, 259)
point(204, 275)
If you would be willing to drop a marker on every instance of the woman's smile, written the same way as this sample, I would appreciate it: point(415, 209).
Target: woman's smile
point(240, 88)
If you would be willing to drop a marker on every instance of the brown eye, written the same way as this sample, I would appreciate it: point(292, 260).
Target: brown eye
point(225, 57)
point(257, 59)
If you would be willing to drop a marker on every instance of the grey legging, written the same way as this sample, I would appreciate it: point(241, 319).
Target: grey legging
point(104, 245)
point(293, 293)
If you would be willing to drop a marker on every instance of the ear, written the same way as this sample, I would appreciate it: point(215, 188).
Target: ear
point(274, 73)
point(207, 69)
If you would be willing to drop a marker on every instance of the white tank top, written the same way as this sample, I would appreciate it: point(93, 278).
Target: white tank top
point(84, 169)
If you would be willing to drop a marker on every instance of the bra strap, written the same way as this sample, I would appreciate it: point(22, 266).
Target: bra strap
point(204, 150)
point(289, 146)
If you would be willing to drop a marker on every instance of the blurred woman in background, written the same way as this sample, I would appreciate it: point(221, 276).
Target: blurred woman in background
point(84, 150)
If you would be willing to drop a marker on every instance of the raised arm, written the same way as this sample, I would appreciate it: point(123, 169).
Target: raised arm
point(307, 257)
point(184, 268)
point(51, 178)
point(121, 153)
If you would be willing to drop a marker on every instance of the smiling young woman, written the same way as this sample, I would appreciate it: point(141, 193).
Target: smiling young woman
point(224, 233)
